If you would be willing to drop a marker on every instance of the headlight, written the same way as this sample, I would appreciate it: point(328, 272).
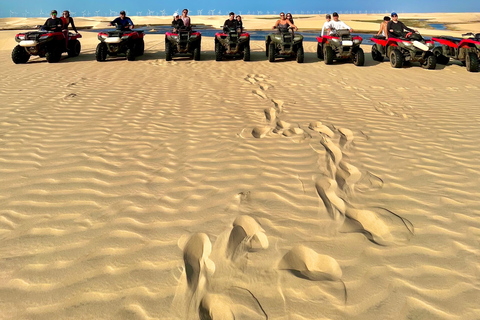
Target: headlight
point(193, 36)
point(104, 36)
point(356, 41)
point(44, 37)
point(430, 45)
point(408, 44)
point(335, 40)
point(21, 37)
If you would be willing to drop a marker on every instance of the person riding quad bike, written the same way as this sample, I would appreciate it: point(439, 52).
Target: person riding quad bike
point(285, 43)
point(124, 40)
point(232, 42)
point(401, 47)
point(49, 42)
point(466, 50)
point(182, 41)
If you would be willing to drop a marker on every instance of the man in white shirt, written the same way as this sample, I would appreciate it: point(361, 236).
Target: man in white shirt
point(326, 25)
point(337, 25)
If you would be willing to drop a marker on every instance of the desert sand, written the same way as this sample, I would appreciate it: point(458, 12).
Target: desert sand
point(237, 190)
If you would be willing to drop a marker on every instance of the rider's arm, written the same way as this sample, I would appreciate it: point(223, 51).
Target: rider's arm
point(131, 23)
point(73, 25)
point(114, 22)
point(276, 24)
point(292, 25)
point(407, 28)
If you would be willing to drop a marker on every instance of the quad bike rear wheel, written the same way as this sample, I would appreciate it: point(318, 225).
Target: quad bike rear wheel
point(376, 54)
point(20, 55)
point(359, 57)
point(74, 48)
point(101, 52)
point(328, 55)
point(196, 53)
point(300, 54)
point(441, 59)
point(140, 47)
point(430, 62)
point(471, 62)
point(271, 52)
point(246, 53)
point(396, 58)
point(168, 50)
point(319, 51)
point(218, 51)
point(53, 55)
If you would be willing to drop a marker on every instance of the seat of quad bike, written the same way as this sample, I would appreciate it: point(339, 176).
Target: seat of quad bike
point(342, 33)
point(380, 37)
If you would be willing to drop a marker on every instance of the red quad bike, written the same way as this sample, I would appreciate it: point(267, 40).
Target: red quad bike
point(232, 44)
point(467, 51)
point(47, 44)
point(340, 46)
point(406, 48)
point(183, 43)
point(119, 42)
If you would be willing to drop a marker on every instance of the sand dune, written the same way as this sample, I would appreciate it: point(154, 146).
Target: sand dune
point(235, 190)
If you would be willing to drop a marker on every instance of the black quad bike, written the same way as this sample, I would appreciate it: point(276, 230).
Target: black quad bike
point(232, 43)
point(183, 43)
point(407, 47)
point(340, 46)
point(466, 50)
point(47, 44)
point(120, 42)
point(284, 44)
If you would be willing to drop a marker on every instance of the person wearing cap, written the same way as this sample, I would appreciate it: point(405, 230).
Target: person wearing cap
point(186, 19)
point(122, 21)
point(53, 23)
point(383, 27)
point(230, 23)
point(326, 25)
point(337, 24)
point(396, 28)
point(177, 23)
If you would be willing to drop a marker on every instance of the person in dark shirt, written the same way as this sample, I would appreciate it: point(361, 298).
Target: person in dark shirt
point(396, 28)
point(122, 21)
point(239, 23)
point(177, 23)
point(53, 24)
point(67, 20)
point(230, 23)
point(289, 17)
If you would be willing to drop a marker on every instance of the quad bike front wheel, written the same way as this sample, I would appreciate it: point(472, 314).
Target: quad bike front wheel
point(101, 52)
point(441, 59)
point(430, 62)
point(74, 48)
point(376, 54)
point(359, 57)
point(319, 51)
point(300, 54)
point(196, 53)
point(131, 53)
point(328, 55)
point(20, 55)
point(218, 51)
point(271, 52)
point(471, 62)
point(168, 50)
point(246, 53)
point(53, 55)
point(396, 58)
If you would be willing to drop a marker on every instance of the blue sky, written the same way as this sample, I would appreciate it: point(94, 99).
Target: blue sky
point(35, 8)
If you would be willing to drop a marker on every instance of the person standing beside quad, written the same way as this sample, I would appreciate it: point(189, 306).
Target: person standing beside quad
point(396, 28)
point(123, 21)
point(53, 24)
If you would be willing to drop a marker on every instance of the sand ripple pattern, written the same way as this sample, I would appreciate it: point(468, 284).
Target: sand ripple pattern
point(205, 190)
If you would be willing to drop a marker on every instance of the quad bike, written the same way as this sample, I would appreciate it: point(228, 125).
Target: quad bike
point(340, 46)
point(467, 50)
point(183, 43)
point(409, 47)
point(45, 44)
point(284, 44)
point(119, 42)
point(232, 43)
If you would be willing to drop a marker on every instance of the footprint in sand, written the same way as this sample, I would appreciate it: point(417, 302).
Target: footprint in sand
point(270, 114)
point(70, 96)
point(259, 93)
point(198, 266)
point(327, 190)
point(346, 137)
point(278, 105)
point(320, 128)
point(261, 132)
point(347, 176)
point(246, 236)
point(215, 306)
point(305, 263)
point(334, 151)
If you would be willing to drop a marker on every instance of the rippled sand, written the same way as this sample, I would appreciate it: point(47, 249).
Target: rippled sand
point(234, 190)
